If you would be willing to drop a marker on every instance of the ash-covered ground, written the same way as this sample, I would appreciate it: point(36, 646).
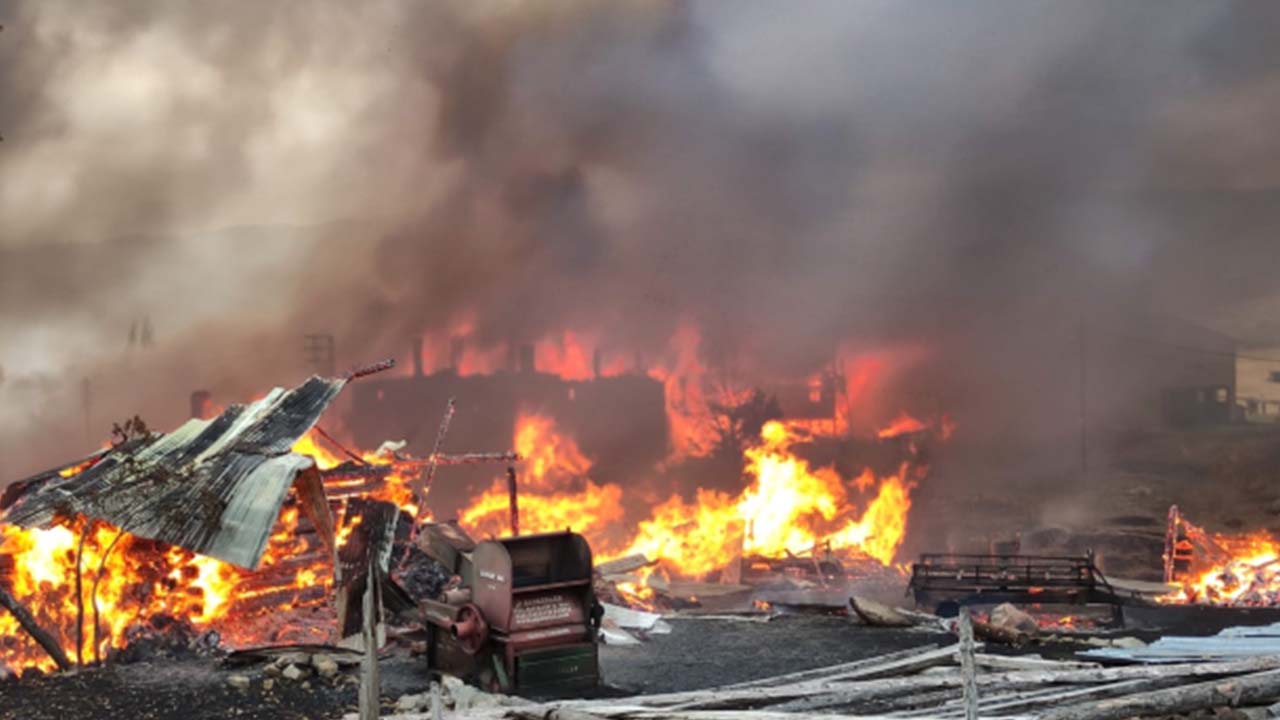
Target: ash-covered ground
point(697, 653)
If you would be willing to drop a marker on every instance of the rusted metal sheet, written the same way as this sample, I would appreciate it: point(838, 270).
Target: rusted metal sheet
point(214, 487)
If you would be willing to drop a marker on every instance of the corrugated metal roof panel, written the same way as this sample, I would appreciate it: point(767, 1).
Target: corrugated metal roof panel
point(1232, 643)
point(214, 487)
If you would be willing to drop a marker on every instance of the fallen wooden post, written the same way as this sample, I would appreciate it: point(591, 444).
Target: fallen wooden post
point(1255, 689)
point(823, 695)
point(39, 634)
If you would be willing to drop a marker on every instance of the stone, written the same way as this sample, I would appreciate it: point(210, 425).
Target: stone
point(1127, 642)
point(294, 672)
point(293, 658)
point(326, 667)
point(413, 703)
point(239, 682)
point(268, 683)
point(462, 697)
point(272, 670)
point(1010, 618)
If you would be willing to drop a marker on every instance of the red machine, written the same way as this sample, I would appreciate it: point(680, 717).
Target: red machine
point(521, 615)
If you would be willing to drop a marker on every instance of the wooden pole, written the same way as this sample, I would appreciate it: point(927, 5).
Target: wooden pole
point(39, 634)
point(84, 534)
point(968, 668)
point(514, 496)
point(424, 484)
point(370, 684)
point(93, 596)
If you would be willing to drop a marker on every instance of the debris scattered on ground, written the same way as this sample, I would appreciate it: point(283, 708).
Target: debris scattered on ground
point(926, 682)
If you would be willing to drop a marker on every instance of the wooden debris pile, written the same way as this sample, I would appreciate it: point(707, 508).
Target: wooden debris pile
point(745, 585)
point(928, 682)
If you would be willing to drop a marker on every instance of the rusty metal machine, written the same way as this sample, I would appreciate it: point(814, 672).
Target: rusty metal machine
point(519, 614)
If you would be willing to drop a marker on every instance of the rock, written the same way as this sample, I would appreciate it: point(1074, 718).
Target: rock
point(1127, 643)
point(268, 684)
point(413, 703)
point(272, 670)
point(462, 696)
point(326, 667)
point(1008, 617)
point(239, 682)
point(294, 672)
point(878, 614)
point(293, 658)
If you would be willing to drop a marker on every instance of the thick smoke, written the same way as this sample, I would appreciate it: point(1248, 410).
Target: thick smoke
point(979, 177)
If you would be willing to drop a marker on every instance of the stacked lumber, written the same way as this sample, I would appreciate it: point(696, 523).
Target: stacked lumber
point(896, 685)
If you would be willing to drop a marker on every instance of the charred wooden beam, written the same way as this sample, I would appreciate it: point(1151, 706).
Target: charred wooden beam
point(513, 498)
point(369, 542)
point(267, 600)
point(29, 624)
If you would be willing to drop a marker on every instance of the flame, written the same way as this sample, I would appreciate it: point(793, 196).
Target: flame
point(1250, 576)
point(142, 579)
point(789, 507)
point(554, 491)
point(902, 425)
point(396, 485)
point(785, 505)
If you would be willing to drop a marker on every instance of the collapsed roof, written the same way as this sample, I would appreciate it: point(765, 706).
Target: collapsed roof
point(214, 487)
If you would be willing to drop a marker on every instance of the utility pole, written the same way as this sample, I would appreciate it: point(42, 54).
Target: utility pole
point(1084, 403)
point(320, 352)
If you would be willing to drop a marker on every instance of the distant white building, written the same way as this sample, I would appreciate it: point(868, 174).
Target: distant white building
point(1258, 383)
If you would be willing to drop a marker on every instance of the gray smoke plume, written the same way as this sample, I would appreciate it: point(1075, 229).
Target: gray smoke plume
point(975, 176)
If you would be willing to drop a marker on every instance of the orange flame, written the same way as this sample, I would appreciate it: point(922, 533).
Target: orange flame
point(554, 490)
point(1249, 577)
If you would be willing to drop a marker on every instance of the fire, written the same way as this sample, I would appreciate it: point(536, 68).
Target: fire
point(142, 579)
point(785, 505)
point(396, 485)
point(685, 383)
point(904, 424)
point(1250, 576)
point(788, 507)
point(555, 492)
point(137, 581)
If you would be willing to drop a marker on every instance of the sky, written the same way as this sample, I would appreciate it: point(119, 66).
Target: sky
point(790, 177)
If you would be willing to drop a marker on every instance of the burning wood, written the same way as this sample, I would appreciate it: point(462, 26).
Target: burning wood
point(1222, 570)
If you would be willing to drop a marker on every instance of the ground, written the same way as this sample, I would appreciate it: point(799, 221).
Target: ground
point(697, 653)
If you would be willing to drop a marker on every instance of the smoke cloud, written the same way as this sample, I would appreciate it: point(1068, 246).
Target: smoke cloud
point(977, 177)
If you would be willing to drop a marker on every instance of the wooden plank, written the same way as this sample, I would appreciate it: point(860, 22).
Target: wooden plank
point(1013, 662)
point(370, 541)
